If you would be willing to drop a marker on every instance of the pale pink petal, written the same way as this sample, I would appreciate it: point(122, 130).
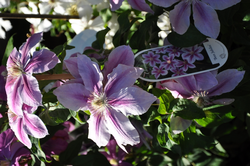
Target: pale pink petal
point(98, 130)
point(34, 126)
point(73, 96)
point(42, 61)
point(130, 101)
point(120, 55)
point(71, 65)
point(179, 17)
point(25, 48)
point(140, 5)
point(29, 91)
point(206, 19)
point(121, 128)
point(227, 81)
point(221, 4)
point(14, 59)
point(176, 89)
point(121, 77)
point(205, 81)
point(90, 73)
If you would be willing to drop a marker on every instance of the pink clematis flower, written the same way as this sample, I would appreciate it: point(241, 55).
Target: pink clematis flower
point(201, 88)
point(136, 4)
point(108, 102)
point(191, 54)
point(169, 62)
point(204, 14)
point(151, 58)
point(27, 124)
point(157, 71)
point(21, 87)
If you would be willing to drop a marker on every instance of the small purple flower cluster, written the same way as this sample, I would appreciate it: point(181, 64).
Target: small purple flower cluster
point(177, 60)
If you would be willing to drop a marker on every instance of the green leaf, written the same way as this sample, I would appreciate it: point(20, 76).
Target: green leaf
point(37, 150)
point(55, 117)
point(75, 115)
point(154, 116)
point(100, 39)
point(159, 160)
point(187, 109)
point(91, 159)
point(106, 15)
point(8, 50)
point(247, 17)
point(165, 98)
point(189, 38)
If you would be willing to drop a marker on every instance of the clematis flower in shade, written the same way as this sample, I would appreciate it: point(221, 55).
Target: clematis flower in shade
point(21, 87)
point(108, 102)
point(169, 62)
point(204, 14)
point(136, 4)
point(27, 124)
point(157, 71)
point(201, 88)
point(12, 152)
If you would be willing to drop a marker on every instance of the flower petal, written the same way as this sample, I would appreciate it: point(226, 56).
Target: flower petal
point(90, 73)
point(29, 91)
point(179, 17)
point(71, 65)
point(77, 94)
point(131, 101)
point(189, 83)
point(115, 4)
point(224, 101)
point(34, 126)
point(122, 76)
point(205, 81)
point(227, 81)
point(14, 59)
point(30, 43)
point(120, 55)
point(206, 19)
point(178, 124)
point(140, 5)
point(16, 124)
point(164, 3)
point(121, 128)
point(42, 61)
point(221, 4)
point(6, 138)
point(98, 130)
point(177, 90)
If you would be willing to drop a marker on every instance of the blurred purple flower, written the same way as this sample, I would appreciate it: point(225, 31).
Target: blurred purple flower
point(21, 86)
point(3, 76)
point(157, 71)
point(151, 58)
point(169, 62)
point(192, 53)
point(108, 102)
point(114, 156)
point(140, 5)
point(25, 124)
point(204, 14)
point(12, 152)
point(173, 51)
point(200, 88)
point(185, 65)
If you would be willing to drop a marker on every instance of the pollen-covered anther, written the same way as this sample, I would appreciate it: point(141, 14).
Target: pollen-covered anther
point(98, 103)
point(73, 10)
point(15, 71)
point(201, 98)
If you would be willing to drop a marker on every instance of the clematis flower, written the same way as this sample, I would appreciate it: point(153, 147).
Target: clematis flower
point(4, 3)
point(174, 51)
point(21, 87)
point(191, 54)
point(12, 152)
point(151, 58)
point(25, 124)
point(114, 156)
point(169, 62)
point(177, 71)
point(204, 14)
point(185, 65)
point(157, 71)
point(109, 100)
point(136, 4)
point(201, 88)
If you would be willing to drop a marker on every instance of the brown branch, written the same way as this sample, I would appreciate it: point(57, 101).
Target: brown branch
point(43, 16)
point(53, 76)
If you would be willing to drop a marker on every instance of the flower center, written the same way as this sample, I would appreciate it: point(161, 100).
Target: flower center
point(73, 10)
point(98, 103)
point(15, 71)
point(201, 98)
point(113, 162)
